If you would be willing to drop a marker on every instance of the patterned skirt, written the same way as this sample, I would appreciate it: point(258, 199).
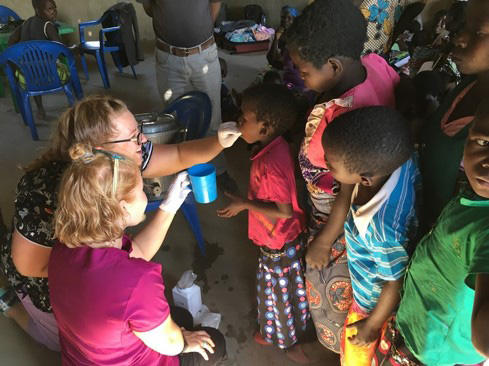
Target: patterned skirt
point(328, 290)
point(391, 350)
point(281, 295)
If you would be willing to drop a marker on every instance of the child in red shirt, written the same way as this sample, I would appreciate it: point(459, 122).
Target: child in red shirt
point(276, 221)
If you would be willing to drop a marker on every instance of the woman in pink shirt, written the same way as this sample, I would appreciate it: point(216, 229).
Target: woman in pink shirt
point(107, 296)
point(97, 120)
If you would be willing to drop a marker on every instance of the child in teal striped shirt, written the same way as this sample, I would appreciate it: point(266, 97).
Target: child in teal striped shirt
point(371, 148)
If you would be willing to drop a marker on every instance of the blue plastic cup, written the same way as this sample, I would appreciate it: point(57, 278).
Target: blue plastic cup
point(203, 180)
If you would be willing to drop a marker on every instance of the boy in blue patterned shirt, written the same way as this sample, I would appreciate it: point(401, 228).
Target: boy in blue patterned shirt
point(372, 149)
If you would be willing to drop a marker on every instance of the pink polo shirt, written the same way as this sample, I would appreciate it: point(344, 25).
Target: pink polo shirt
point(272, 180)
point(377, 89)
point(99, 297)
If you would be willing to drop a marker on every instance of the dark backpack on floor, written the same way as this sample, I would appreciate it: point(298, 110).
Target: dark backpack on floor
point(255, 12)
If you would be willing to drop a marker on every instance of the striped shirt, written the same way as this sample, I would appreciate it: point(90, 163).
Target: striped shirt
point(378, 233)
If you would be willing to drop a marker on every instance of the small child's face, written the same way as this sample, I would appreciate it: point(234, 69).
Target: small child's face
point(340, 173)
point(471, 51)
point(48, 10)
point(319, 80)
point(251, 129)
point(476, 156)
point(286, 20)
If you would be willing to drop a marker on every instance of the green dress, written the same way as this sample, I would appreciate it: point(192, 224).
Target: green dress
point(435, 312)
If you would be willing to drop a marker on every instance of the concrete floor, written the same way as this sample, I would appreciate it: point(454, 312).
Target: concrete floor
point(226, 275)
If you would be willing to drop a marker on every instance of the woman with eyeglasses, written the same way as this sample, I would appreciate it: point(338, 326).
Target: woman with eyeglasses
point(98, 121)
point(107, 295)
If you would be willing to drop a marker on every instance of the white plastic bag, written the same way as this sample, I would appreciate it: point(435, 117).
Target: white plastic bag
point(186, 293)
point(207, 319)
point(187, 280)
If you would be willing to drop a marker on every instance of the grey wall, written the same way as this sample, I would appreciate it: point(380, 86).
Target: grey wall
point(75, 11)
point(270, 7)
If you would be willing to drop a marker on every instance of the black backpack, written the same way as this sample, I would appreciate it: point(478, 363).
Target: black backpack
point(127, 37)
point(255, 12)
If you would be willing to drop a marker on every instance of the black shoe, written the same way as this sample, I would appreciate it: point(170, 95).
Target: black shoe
point(8, 298)
point(227, 184)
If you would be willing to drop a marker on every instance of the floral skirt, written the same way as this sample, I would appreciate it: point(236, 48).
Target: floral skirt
point(283, 310)
point(328, 290)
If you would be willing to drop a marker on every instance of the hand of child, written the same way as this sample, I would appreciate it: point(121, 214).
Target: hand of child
point(177, 193)
point(280, 31)
point(365, 335)
point(236, 205)
point(228, 133)
point(317, 255)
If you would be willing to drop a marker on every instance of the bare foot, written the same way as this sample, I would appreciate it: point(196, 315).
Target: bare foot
point(296, 354)
point(260, 340)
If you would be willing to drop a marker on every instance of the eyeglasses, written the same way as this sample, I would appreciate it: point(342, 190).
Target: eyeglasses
point(137, 139)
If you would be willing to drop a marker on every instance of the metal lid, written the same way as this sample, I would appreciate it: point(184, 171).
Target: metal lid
point(157, 122)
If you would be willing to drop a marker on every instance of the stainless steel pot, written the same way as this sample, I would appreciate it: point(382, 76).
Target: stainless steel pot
point(160, 128)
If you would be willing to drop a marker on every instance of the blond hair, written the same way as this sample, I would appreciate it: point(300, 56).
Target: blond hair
point(87, 122)
point(89, 209)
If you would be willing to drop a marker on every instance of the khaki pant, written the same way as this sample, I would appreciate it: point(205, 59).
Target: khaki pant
point(177, 75)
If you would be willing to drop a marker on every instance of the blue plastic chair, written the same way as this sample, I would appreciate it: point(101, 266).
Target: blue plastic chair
point(98, 48)
point(6, 14)
point(37, 61)
point(193, 111)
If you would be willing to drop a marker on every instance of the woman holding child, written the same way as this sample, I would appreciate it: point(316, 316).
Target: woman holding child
point(98, 121)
